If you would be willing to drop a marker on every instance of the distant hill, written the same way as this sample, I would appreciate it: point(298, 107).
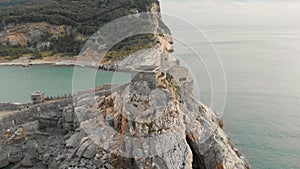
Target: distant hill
point(59, 26)
point(6, 3)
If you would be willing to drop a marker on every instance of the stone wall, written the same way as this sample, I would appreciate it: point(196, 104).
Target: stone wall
point(97, 90)
point(41, 112)
point(55, 113)
point(58, 97)
point(13, 106)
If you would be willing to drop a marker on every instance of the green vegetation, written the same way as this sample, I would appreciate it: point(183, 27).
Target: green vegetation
point(13, 52)
point(66, 44)
point(133, 124)
point(85, 18)
point(131, 45)
point(36, 54)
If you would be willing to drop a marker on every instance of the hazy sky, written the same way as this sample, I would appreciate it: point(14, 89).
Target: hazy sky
point(235, 12)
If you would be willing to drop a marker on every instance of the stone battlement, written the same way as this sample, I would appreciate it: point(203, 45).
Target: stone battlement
point(47, 113)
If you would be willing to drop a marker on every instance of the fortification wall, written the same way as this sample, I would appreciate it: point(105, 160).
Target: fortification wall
point(81, 93)
point(13, 106)
point(32, 113)
point(48, 114)
point(59, 97)
point(57, 112)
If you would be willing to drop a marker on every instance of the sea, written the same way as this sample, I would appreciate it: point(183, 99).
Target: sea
point(257, 85)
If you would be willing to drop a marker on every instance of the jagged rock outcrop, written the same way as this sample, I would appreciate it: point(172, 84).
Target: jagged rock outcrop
point(150, 57)
point(152, 122)
point(133, 127)
point(147, 128)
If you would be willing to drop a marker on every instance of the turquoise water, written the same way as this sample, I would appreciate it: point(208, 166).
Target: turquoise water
point(262, 67)
point(17, 83)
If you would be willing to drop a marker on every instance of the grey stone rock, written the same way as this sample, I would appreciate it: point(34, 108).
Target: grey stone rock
point(68, 127)
point(26, 162)
point(17, 166)
point(87, 101)
point(108, 166)
point(60, 158)
point(84, 113)
point(75, 139)
point(4, 151)
point(59, 123)
point(90, 152)
point(68, 114)
point(31, 127)
point(83, 147)
point(209, 143)
point(52, 165)
point(16, 154)
point(31, 148)
point(98, 163)
point(46, 158)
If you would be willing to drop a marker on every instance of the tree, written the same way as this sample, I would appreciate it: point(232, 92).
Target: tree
point(36, 54)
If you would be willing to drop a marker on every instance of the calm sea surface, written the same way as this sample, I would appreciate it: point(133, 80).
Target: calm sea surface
point(262, 66)
point(17, 83)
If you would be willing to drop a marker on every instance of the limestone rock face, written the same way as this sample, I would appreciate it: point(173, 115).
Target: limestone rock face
point(26, 162)
point(131, 127)
point(75, 139)
point(4, 156)
point(152, 129)
point(211, 145)
point(143, 57)
point(152, 56)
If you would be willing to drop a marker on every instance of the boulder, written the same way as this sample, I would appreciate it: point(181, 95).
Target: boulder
point(31, 127)
point(15, 154)
point(26, 162)
point(46, 158)
point(68, 113)
point(98, 162)
point(4, 151)
point(75, 139)
point(83, 147)
point(52, 165)
point(90, 152)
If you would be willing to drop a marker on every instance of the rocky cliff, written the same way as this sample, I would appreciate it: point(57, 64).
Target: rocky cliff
point(154, 122)
point(131, 126)
point(160, 128)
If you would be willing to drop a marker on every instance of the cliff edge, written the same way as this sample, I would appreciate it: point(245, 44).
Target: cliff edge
point(153, 122)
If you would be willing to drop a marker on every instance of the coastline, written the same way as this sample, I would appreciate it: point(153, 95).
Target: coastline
point(66, 63)
point(26, 63)
point(72, 63)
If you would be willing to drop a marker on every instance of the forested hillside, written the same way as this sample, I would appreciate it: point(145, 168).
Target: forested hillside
point(59, 26)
